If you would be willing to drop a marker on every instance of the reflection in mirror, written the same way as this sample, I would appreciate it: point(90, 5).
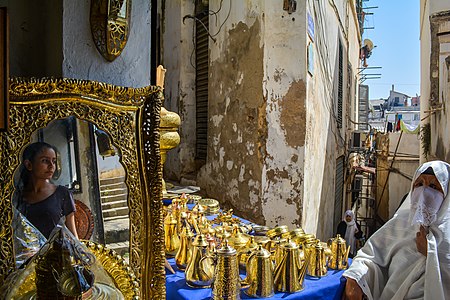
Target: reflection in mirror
point(63, 135)
point(88, 164)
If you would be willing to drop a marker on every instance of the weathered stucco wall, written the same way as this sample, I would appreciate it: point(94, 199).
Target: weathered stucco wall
point(179, 89)
point(285, 89)
point(237, 128)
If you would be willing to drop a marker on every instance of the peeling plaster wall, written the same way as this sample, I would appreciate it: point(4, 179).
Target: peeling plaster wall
point(83, 61)
point(179, 92)
point(285, 88)
point(237, 128)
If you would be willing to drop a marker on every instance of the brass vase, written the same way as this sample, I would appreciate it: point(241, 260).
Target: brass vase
point(226, 284)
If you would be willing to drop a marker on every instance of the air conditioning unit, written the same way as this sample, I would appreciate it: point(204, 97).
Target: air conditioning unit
point(358, 140)
point(358, 182)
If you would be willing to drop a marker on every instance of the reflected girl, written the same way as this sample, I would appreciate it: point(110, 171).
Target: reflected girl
point(37, 198)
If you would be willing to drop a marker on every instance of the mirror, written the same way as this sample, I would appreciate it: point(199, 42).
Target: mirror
point(130, 119)
point(102, 213)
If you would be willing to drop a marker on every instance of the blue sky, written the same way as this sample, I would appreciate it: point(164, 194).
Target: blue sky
point(396, 36)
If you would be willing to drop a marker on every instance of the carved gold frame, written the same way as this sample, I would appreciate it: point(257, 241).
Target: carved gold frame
point(131, 117)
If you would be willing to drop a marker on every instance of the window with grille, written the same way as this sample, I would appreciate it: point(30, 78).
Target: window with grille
point(201, 80)
point(340, 85)
point(339, 191)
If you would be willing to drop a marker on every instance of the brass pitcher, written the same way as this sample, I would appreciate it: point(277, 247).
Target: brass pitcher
point(199, 272)
point(289, 274)
point(259, 280)
point(185, 250)
point(317, 266)
point(226, 283)
point(171, 239)
point(245, 252)
point(339, 253)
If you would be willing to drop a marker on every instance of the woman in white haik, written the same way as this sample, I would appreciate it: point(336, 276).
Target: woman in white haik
point(409, 257)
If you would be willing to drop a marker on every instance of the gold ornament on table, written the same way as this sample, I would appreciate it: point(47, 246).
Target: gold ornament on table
point(168, 127)
point(339, 253)
point(259, 280)
point(290, 273)
point(238, 239)
point(211, 206)
point(199, 271)
point(226, 217)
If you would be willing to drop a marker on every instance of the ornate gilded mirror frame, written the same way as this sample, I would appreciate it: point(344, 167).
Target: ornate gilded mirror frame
point(110, 26)
point(131, 117)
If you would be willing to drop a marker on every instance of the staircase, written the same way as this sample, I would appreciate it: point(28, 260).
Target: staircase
point(116, 222)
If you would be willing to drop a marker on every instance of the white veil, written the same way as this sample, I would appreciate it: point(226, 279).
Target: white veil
point(389, 265)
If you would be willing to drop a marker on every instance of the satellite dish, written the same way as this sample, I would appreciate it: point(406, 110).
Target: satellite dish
point(369, 44)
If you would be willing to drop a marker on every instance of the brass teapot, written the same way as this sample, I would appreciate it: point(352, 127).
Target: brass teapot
point(171, 239)
point(290, 273)
point(317, 266)
point(339, 253)
point(199, 273)
point(184, 253)
point(259, 280)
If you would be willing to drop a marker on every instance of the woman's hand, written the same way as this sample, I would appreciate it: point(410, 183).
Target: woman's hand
point(352, 290)
point(421, 240)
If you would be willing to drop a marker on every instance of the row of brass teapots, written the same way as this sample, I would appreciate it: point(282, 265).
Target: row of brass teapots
point(263, 277)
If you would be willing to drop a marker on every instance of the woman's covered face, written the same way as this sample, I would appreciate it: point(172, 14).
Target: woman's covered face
point(426, 199)
point(428, 180)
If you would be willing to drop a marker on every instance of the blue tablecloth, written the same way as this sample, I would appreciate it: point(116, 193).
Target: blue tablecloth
point(330, 286)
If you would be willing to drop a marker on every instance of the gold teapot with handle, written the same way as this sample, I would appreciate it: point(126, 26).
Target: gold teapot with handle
point(199, 273)
point(184, 253)
point(317, 266)
point(290, 273)
point(171, 239)
point(339, 253)
point(259, 268)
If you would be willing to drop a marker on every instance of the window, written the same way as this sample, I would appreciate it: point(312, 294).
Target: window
point(201, 80)
point(340, 85)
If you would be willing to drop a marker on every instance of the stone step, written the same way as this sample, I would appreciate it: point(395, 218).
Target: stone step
point(121, 211)
point(115, 218)
point(122, 248)
point(111, 186)
point(114, 204)
point(113, 191)
point(112, 180)
point(117, 230)
point(113, 198)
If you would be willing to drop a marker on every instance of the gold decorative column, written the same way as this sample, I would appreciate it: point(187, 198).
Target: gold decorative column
point(170, 121)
